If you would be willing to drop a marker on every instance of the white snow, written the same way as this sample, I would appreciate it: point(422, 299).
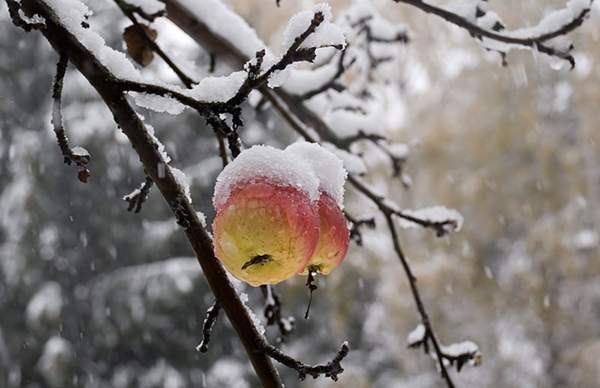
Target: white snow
point(462, 348)
point(417, 335)
point(55, 361)
point(269, 163)
point(218, 89)
point(160, 147)
point(211, 89)
point(148, 6)
point(225, 23)
point(80, 152)
point(183, 182)
point(346, 123)
point(158, 103)
point(325, 35)
point(71, 14)
point(305, 81)
point(585, 239)
point(352, 163)
point(437, 214)
point(34, 19)
point(328, 168)
point(202, 217)
point(45, 306)
point(257, 323)
point(279, 77)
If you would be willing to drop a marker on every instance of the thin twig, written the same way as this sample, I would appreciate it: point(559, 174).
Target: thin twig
point(535, 42)
point(332, 369)
point(272, 313)
point(138, 196)
point(77, 155)
point(211, 317)
point(129, 12)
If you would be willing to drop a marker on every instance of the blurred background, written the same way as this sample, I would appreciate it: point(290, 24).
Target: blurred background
point(94, 296)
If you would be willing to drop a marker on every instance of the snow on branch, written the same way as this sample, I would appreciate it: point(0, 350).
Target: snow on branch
point(138, 196)
point(487, 27)
point(438, 218)
point(77, 155)
point(20, 19)
point(147, 9)
point(212, 94)
point(211, 317)
point(457, 354)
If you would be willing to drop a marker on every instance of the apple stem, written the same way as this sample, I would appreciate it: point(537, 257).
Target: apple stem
point(313, 270)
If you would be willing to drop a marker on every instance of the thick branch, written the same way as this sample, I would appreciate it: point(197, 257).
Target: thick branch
point(134, 129)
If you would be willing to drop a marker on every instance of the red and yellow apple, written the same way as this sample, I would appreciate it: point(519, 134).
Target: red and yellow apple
point(266, 232)
point(333, 237)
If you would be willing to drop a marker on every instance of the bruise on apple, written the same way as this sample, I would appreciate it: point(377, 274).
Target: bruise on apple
point(258, 259)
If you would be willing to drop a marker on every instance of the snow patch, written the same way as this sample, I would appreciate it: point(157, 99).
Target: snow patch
point(328, 168)
point(265, 162)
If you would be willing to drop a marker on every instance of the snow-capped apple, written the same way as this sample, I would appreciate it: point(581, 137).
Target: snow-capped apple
point(267, 223)
point(334, 236)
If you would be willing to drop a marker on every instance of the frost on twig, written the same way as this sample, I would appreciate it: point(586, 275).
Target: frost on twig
point(138, 196)
point(77, 155)
point(332, 369)
point(461, 353)
point(547, 37)
point(456, 355)
point(439, 218)
point(19, 18)
point(356, 225)
point(211, 317)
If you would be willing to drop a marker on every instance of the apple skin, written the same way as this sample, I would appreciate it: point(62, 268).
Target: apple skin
point(265, 219)
point(334, 237)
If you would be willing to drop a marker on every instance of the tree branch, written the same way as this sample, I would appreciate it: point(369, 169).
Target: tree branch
point(63, 41)
point(138, 196)
point(211, 317)
point(78, 155)
point(536, 42)
point(332, 369)
point(129, 12)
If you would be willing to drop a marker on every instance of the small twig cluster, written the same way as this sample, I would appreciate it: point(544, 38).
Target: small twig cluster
point(272, 313)
point(539, 42)
point(332, 369)
point(138, 196)
point(457, 355)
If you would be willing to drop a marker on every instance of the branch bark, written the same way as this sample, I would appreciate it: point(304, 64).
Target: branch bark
point(128, 120)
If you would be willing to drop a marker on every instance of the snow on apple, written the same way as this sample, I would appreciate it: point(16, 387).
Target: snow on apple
point(267, 227)
point(279, 211)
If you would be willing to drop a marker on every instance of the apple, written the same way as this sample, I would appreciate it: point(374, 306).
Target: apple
point(334, 238)
point(266, 232)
